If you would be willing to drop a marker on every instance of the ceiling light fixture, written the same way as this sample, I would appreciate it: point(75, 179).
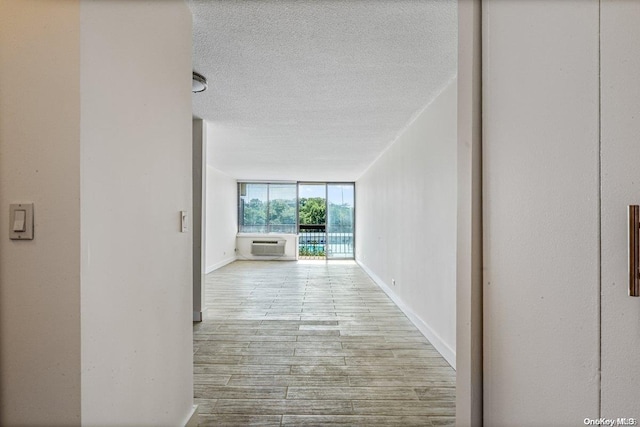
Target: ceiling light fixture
point(199, 83)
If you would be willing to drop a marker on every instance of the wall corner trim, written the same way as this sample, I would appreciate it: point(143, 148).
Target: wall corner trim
point(199, 316)
point(193, 420)
point(447, 352)
point(220, 264)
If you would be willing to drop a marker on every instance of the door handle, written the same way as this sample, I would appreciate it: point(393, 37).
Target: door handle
point(634, 250)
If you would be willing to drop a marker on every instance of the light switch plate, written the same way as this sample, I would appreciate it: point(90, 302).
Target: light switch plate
point(184, 221)
point(27, 234)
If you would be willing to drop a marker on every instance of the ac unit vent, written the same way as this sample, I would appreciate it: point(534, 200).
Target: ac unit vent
point(268, 247)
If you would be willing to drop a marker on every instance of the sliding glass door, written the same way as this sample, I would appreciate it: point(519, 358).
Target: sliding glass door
point(340, 221)
point(312, 220)
point(326, 220)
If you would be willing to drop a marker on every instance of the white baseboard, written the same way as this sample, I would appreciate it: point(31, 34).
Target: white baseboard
point(447, 352)
point(220, 264)
point(193, 419)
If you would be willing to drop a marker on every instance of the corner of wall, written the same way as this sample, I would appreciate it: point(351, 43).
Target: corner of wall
point(443, 348)
point(411, 239)
point(220, 264)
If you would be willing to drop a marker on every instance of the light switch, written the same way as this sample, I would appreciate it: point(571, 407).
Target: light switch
point(184, 221)
point(21, 221)
point(19, 218)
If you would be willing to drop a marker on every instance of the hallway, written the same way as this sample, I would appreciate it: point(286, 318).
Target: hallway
point(313, 343)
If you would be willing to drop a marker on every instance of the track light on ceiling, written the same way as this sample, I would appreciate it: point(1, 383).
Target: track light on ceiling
point(199, 83)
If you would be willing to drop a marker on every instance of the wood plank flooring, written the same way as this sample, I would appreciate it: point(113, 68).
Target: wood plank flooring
point(313, 343)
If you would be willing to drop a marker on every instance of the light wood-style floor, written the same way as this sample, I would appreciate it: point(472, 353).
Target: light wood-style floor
point(313, 343)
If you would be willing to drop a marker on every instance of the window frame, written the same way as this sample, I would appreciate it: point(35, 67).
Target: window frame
point(267, 224)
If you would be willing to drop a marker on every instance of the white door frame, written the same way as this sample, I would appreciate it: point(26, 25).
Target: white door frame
point(469, 225)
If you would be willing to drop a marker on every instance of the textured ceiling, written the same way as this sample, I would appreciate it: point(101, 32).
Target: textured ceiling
point(316, 89)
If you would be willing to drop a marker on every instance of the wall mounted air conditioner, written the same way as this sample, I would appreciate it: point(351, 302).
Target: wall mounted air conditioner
point(268, 247)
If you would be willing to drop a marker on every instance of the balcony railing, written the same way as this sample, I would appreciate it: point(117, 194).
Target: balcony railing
point(311, 241)
point(315, 243)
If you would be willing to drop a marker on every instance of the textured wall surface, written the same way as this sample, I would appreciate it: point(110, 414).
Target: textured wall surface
point(222, 219)
point(136, 178)
point(620, 151)
point(40, 163)
point(541, 212)
point(321, 87)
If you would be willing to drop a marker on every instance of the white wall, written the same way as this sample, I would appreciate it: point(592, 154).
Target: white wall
point(95, 126)
point(222, 219)
point(619, 154)
point(406, 221)
point(40, 163)
point(541, 213)
point(136, 178)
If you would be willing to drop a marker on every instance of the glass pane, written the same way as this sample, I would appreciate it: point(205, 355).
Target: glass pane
point(253, 208)
point(312, 216)
point(312, 204)
point(282, 208)
point(341, 200)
